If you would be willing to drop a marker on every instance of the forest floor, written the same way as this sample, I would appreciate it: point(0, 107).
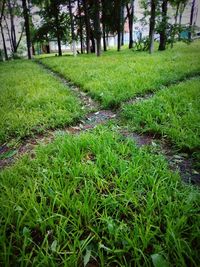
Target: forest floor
point(88, 174)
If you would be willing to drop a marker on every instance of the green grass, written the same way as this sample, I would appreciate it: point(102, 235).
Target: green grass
point(97, 197)
point(173, 112)
point(32, 101)
point(115, 77)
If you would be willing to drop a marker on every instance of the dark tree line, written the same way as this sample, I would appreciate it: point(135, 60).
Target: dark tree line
point(89, 22)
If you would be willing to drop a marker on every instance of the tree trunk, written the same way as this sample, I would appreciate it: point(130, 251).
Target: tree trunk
point(2, 33)
point(118, 7)
point(12, 27)
point(104, 26)
point(9, 35)
point(152, 26)
point(175, 25)
point(48, 48)
point(122, 26)
point(72, 29)
point(4, 44)
point(183, 5)
point(97, 28)
point(58, 29)
point(163, 36)
point(92, 48)
point(130, 15)
point(87, 25)
point(27, 27)
point(59, 45)
point(81, 26)
point(191, 20)
point(104, 37)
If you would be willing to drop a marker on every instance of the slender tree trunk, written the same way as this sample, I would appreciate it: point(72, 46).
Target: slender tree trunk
point(58, 30)
point(93, 48)
point(191, 20)
point(2, 33)
point(97, 28)
point(87, 25)
point(59, 45)
point(163, 36)
point(81, 26)
point(174, 29)
point(104, 37)
point(104, 25)
point(72, 29)
point(27, 27)
point(122, 26)
point(4, 44)
point(183, 5)
point(152, 26)
point(130, 14)
point(9, 34)
point(118, 7)
point(12, 25)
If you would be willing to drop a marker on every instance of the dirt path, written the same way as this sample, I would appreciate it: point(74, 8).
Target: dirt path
point(178, 161)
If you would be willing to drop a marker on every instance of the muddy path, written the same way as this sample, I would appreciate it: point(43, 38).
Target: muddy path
point(181, 162)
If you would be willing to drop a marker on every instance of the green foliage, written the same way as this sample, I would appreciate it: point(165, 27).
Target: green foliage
point(96, 198)
point(32, 101)
point(54, 22)
point(116, 77)
point(173, 112)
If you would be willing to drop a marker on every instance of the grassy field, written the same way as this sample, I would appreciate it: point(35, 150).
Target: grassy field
point(32, 100)
point(115, 76)
point(97, 198)
point(172, 112)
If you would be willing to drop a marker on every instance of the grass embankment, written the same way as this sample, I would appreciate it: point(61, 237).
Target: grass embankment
point(115, 76)
point(173, 113)
point(97, 198)
point(32, 101)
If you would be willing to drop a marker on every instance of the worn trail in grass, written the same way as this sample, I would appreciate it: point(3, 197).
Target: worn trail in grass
point(175, 159)
point(116, 77)
point(97, 198)
point(33, 101)
point(100, 199)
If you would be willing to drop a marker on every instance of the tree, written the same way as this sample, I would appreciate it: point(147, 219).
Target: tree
point(27, 27)
point(191, 19)
point(104, 18)
point(80, 25)
point(152, 25)
point(2, 33)
point(117, 8)
point(72, 27)
point(54, 20)
point(179, 5)
point(163, 26)
point(87, 25)
point(130, 16)
point(97, 28)
point(11, 13)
